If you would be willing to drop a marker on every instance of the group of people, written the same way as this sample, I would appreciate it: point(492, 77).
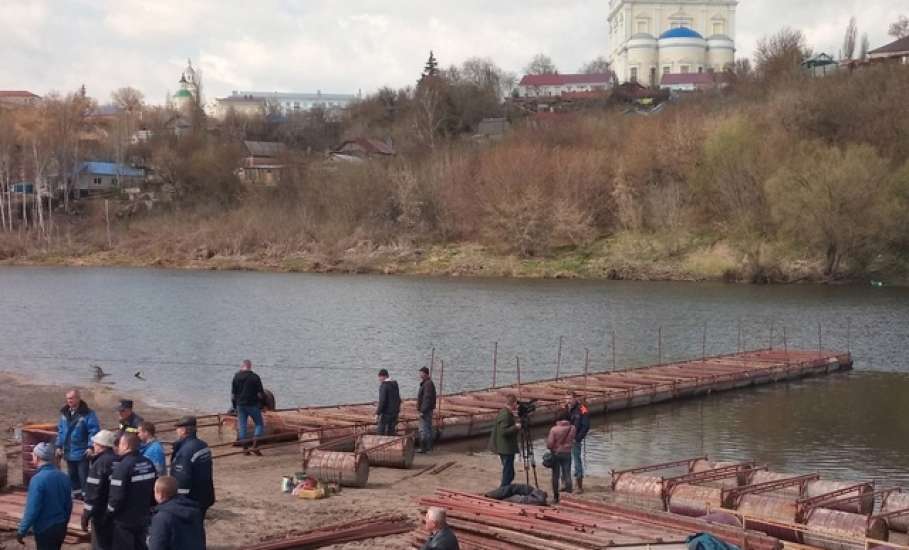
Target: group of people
point(389, 407)
point(131, 498)
point(565, 442)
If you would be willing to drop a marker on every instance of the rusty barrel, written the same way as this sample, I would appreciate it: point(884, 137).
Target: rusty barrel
point(346, 469)
point(387, 451)
point(826, 528)
point(764, 512)
point(638, 485)
point(863, 506)
point(894, 502)
point(32, 434)
point(695, 500)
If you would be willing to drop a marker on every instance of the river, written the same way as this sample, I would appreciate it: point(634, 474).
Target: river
point(319, 339)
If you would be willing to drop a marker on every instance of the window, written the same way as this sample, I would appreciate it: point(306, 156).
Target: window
point(684, 69)
point(634, 74)
point(700, 70)
point(643, 26)
point(113, 181)
point(96, 181)
point(653, 76)
point(719, 27)
point(667, 69)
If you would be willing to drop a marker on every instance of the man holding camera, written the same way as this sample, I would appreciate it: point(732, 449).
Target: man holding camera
point(504, 438)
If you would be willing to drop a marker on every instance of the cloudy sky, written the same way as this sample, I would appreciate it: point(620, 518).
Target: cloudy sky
point(339, 45)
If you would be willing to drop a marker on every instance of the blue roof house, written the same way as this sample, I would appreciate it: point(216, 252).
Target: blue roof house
point(99, 177)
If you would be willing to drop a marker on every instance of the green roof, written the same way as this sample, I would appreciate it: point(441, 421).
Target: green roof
point(183, 93)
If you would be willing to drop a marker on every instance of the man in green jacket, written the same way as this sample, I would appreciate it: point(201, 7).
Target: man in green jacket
point(504, 438)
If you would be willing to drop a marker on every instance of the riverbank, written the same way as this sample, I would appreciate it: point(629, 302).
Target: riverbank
point(250, 505)
point(626, 256)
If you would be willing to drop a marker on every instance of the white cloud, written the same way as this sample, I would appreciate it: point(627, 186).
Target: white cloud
point(304, 45)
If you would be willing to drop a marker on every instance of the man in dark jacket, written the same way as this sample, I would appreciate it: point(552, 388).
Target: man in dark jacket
point(504, 438)
point(191, 465)
point(246, 393)
point(441, 537)
point(426, 405)
point(579, 416)
point(132, 495)
point(49, 502)
point(389, 405)
point(97, 490)
point(127, 420)
point(176, 521)
point(77, 425)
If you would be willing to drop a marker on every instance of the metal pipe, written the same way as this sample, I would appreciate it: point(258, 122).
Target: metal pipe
point(495, 360)
point(771, 333)
point(517, 364)
point(586, 364)
point(432, 361)
point(819, 346)
point(660, 345)
point(559, 359)
point(441, 383)
point(613, 350)
point(704, 343)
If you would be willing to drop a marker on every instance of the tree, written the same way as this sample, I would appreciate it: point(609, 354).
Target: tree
point(541, 64)
point(849, 39)
point(835, 202)
point(128, 99)
point(780, 55)
point(863, 49)
point(600, 65)
point(485, 74)
point(900, 28)
point(431, 69)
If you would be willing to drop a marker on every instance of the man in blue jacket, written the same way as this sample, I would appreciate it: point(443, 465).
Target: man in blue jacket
point(49, 503)
point(151, 448)
point(77, 426)
point(177, 520)
point(580, 419)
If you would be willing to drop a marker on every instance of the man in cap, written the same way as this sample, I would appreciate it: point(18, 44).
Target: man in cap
point(247, 393)
point(132, 495)
point(191, 465)
point(75, 429)
point(128, 420)
point(441, 537)
point(97, 490)
point(177, 521)
point(49, 502)
point(151, 448)
point(389, 405)
point(426, 405)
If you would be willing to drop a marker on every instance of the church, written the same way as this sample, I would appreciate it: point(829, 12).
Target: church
point(649, 39)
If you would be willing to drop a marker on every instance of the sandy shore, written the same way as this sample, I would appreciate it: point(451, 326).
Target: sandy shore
point(250, 505)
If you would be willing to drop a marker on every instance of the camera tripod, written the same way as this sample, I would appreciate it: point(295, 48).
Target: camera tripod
point(527, 454)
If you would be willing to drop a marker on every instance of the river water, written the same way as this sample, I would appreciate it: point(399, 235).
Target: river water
point(320, 339)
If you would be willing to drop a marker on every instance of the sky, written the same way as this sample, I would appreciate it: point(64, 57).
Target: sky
point(341, 46)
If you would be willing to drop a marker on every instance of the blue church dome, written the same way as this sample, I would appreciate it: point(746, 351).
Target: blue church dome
point(681, 32)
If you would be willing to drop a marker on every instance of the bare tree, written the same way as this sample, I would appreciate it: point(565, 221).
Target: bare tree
point(541, 64)
point(780, 55)
point(600, 65)
point(430, 115)
point(900, 28)
point(486, 75)
point(849, 40)
point(8, 145)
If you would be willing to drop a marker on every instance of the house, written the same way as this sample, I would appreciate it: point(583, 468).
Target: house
point(98, 177)
point(253, 103)
point(555, 85)
point(894, 52)
point(360, 149)
point(693, 82)
point(491, 129)
point(263, 162)
point(821, 64)
point(18, 98)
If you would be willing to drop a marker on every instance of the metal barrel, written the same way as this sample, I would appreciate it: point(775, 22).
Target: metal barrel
point(764, 476)
point(639, 485)
point(894, 502)
point(346, 469)
point(775, 509)
point(863, 506)
point(827, 528)
point(695, 500)
point(389, 451)
point(33, 434)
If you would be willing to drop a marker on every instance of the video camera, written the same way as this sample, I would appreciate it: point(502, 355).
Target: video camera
point(526, 408)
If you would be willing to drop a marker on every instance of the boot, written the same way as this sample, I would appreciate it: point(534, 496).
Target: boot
point(579, 484)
